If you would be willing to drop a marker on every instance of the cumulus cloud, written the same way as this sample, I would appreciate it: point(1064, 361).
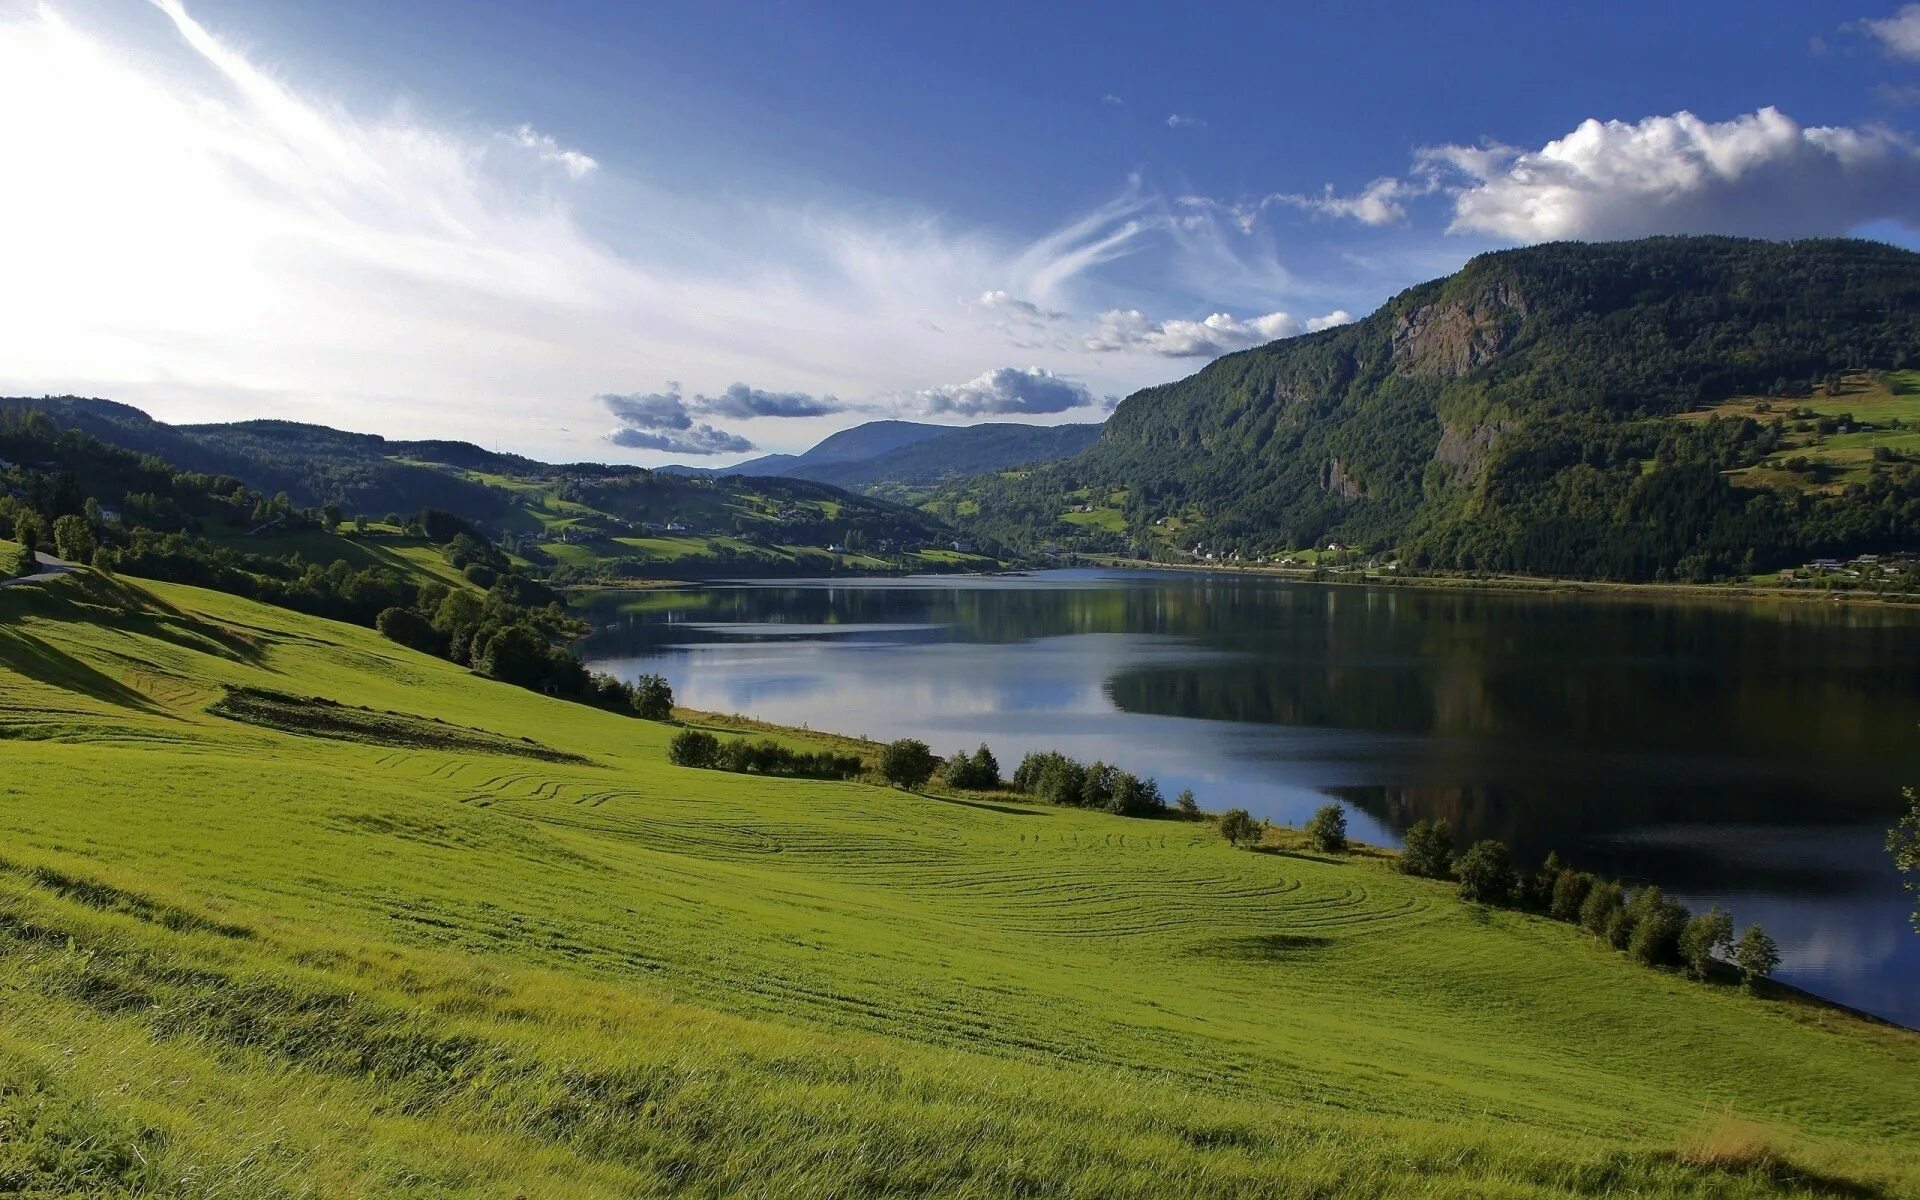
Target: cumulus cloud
point(743, 403)
point(662, 421)
point(1002, 299)
point(1899, 34)
point(1762, 174)
point(1379, 203)
point(1222, 333)
point(1007, 390)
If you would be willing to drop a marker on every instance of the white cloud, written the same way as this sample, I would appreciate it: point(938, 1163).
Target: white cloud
point(1899, 34)
point(1222, 333)
point(574, 163)
point(1110, 98)
point(1761, 174)
point(745, 403)
point(1006, 390)
point(1379, 203)
point(1179, 121)
point(210, 241)
point(661, 421)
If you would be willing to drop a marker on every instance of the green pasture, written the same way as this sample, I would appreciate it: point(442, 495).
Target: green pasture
point(461, 939)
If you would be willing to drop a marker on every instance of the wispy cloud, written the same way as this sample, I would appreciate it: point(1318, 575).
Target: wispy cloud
point(1222, 333)
point(1899, 34)
point(211, 240)
point(1183, 121)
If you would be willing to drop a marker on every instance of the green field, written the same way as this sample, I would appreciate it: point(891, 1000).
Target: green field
point(1888, 406)
point(458, 939)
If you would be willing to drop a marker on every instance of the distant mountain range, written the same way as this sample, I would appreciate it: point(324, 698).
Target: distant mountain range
point(883, 455)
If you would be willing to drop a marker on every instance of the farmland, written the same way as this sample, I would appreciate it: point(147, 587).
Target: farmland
point(449, 937)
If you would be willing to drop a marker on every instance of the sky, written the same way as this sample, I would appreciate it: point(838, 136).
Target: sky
point(649, 233)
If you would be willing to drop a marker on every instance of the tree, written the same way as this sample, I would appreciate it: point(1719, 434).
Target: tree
point(1756, 955)
point(979, 771)
point(652, 698)
point(1486, 872)
point(513, 653)
point(1539, 886)
point(330, 517)
point(1327, 829)
point(1569, 893)
point(1705, 936)
point(1237, 825)
point(1903, 842)
point(693, 748)
point(1603, 900)
point(73, 539)
point(1133, 796)
point(907, 763)
point(1658, 923)
point(410, 629)
point(1429, 849)
point(1188, 806)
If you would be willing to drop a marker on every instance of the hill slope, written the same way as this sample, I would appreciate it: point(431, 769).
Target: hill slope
point(952, 453)
point(464, 940)
point(1519, 415)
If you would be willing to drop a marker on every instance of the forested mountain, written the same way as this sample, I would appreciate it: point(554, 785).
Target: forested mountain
point(893, 456)
point(969, 450)
point(1530, 412)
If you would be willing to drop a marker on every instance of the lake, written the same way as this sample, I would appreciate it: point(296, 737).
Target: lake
point(1744, 753)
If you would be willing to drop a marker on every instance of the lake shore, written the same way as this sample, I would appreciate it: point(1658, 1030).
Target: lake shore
point(1587, 588)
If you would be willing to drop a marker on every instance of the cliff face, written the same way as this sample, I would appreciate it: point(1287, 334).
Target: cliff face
point(1449, 338)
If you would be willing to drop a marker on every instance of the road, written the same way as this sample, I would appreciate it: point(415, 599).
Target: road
point(49, 568)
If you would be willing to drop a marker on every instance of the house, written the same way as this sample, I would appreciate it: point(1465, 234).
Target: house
point(678, 527)
point(5, 465)
point(960, 547)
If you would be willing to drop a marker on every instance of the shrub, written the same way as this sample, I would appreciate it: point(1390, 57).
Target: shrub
point(1619, 931)
point(1704, 936)
point(1756, 955)
point(693, 748)
point(73, 539)
point(1237, 825)
point(978, 771)
point(410, 629)
point(1188, 806)
point(1327, 829)
point(1597, 909)
point(1538, 887)
point(1429, 849)
point(907, 763)
point(1486, 872)
point(1133, 796)
point(652, 698)
point(1570, 892)
point(1051, 776)
point(1657, 925)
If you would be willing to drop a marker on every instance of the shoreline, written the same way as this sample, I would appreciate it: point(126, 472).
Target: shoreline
point(1592, 588)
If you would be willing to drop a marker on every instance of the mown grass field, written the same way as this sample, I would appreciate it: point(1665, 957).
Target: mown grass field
point(493, 945)
point(1835, 459)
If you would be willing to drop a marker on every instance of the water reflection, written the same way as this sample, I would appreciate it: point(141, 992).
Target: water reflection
point(1750, 754)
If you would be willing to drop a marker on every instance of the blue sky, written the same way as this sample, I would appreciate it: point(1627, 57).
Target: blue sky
point(656, 232)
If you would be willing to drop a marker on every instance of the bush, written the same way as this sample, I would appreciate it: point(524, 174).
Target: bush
point(1704, 936)
point(73, 539)
point(1756, 955)
point(693, 748)
point(1597, 910)
point(1538, 887)
point(907, 763)
point(1486, 872)
point(1429, 849)
point(979, 771)
point(1569, 894)
point(1619, 931)
point(410, 629)
point(1657, 925)
point(1237, 825)
point(1327, 829)
point(652, 698)
point(1133, 796)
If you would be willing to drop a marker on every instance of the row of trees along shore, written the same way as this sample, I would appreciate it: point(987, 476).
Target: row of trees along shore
point(1650, 927)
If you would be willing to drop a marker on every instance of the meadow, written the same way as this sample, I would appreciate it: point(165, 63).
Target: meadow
point(446, 937)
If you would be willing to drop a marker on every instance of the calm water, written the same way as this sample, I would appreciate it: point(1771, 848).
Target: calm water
point(1747, 754)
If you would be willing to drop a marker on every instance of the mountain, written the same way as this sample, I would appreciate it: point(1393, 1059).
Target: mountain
point(902, 454)
point(951, 453)
point(1548, 409)
point(588, 516)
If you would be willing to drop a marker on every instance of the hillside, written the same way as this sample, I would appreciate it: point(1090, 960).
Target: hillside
point(466, 940)
point(1528, 413)
point(593, 519)
point(952, 453)
point(895, 458)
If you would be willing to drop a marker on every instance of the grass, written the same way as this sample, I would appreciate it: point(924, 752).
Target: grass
point(385, 948)
point(1834, 459)
point(412, 556)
